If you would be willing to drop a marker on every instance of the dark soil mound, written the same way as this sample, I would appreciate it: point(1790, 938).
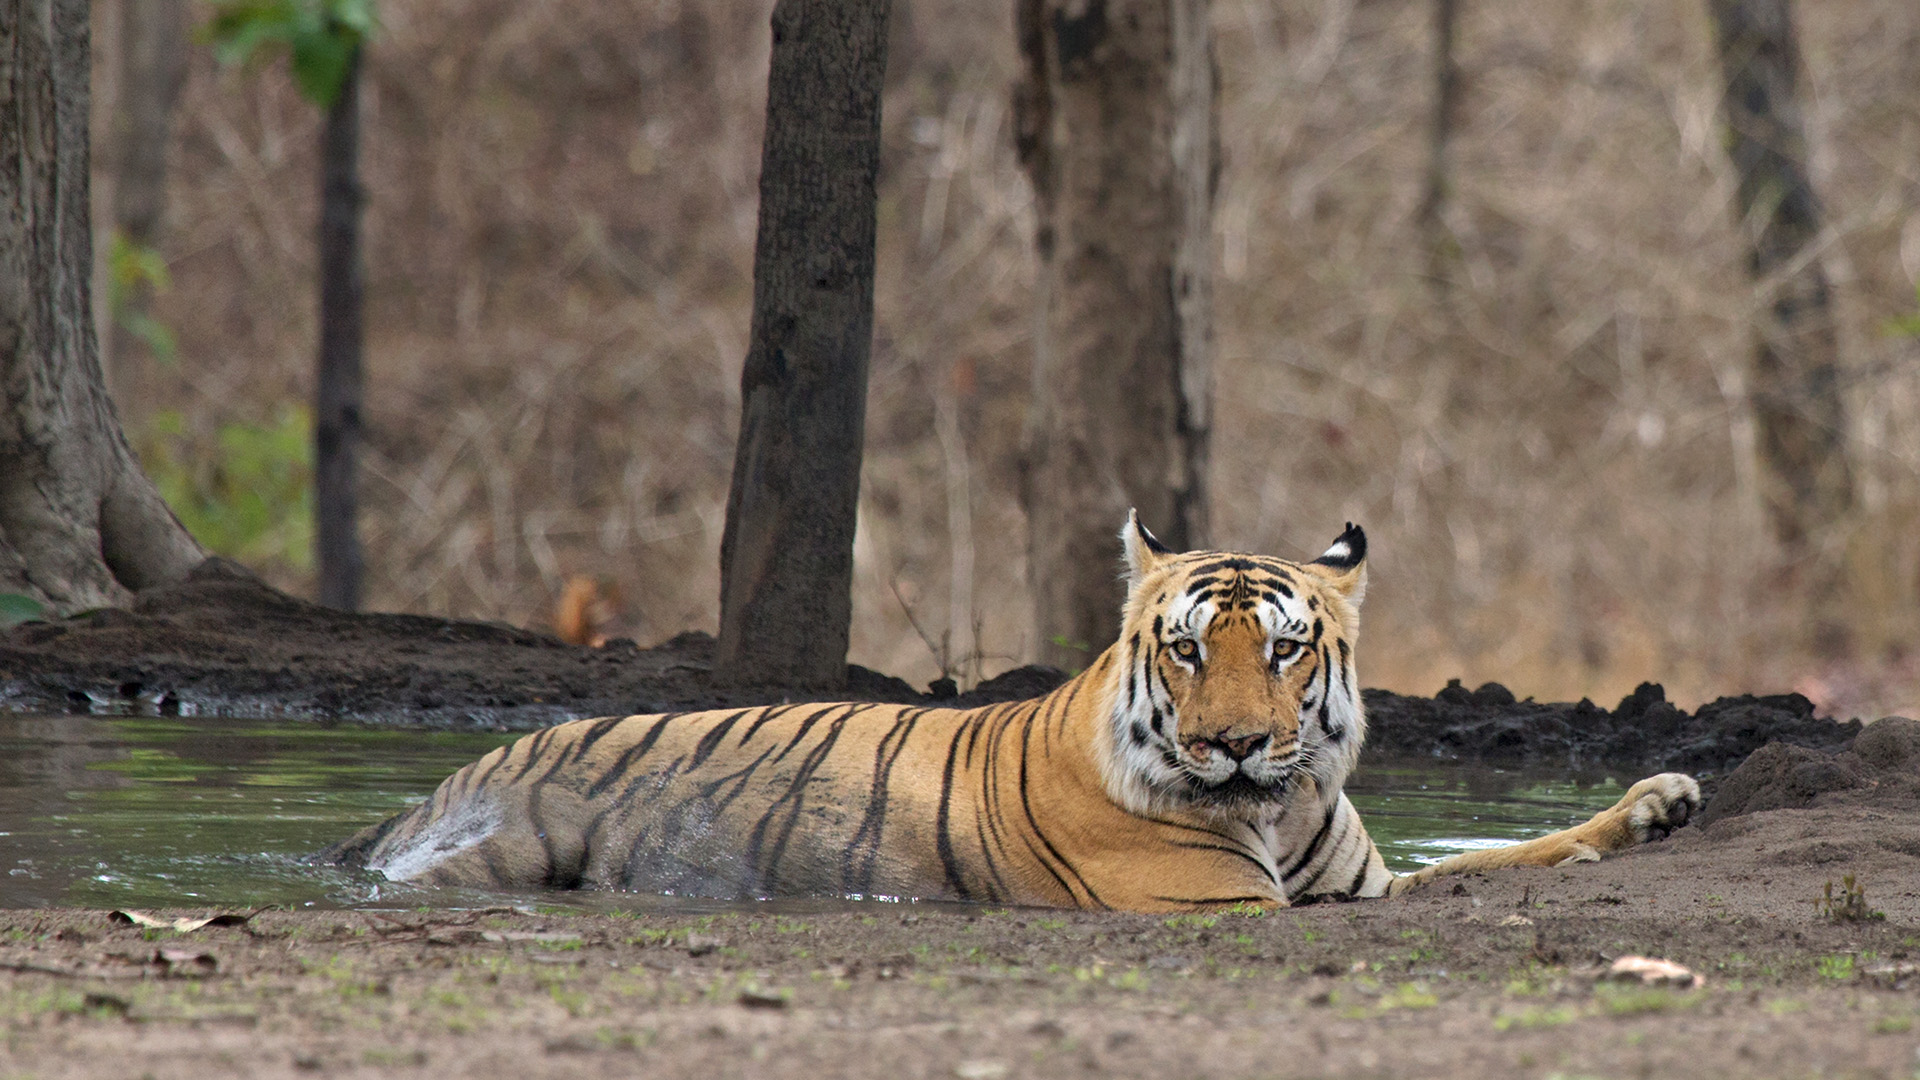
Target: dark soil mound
point(1487, 725)
point(1881, 766)
point(223, 643)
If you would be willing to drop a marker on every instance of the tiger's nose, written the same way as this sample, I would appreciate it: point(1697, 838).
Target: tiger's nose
point(1236, 749)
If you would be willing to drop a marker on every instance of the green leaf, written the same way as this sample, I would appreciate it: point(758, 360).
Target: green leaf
point(319, 36)
point(320, 63)
point(16, 609)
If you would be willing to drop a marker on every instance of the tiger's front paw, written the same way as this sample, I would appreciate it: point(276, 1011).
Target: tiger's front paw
point(1660, 804)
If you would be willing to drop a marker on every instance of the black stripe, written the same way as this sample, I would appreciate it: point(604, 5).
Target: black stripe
point(1354, 889)
point(618, 770)
point(1313, 845)
point(943, 821)
point(805, 726)
point(738, 779)
point(595, 731)
point(1333, 853)
point(873, 821)
point(1026, 807)
point(766, 714)
point(710, 742)
point(765, 866)
point(1231, 562)
point(1235, 852)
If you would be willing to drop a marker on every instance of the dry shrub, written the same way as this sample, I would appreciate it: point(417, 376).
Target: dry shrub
point(1547, 446)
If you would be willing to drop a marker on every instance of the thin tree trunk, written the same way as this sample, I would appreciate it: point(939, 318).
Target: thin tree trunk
point(150, 68)
point(786, 557)
point(80, 524)
point(337, 410)
point(1439, 183)
point(1118, 134)
point(1807, 483)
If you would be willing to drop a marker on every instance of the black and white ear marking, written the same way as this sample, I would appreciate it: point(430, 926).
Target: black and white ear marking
point(1347, 552)
point(1146, 535)
point(1144, 550)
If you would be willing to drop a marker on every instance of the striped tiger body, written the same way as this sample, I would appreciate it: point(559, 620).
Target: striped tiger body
point(1197, 763)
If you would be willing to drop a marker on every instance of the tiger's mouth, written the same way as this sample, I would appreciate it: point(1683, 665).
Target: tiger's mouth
point(1239, 791)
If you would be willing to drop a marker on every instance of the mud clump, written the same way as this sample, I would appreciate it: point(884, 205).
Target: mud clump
point(1882, 766)
point(1490, 726)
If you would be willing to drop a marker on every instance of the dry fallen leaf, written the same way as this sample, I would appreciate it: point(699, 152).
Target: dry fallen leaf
point(1652, 971)
point(149, 921)
point(1516, 920)
point(549, 937)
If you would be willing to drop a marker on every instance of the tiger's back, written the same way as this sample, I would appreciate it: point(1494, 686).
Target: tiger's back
point(844, 799)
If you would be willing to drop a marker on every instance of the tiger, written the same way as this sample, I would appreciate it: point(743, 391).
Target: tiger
point(1196, 764)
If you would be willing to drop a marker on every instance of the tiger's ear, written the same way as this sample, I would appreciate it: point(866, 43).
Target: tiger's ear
point(1344, 565)
point(1144, 550)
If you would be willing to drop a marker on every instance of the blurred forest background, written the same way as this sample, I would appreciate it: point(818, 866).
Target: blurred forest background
point(1552, 455)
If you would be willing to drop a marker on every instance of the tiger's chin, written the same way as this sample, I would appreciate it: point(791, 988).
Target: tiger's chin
point(1239, 796)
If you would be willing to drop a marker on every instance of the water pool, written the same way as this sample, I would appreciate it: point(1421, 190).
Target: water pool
point(148, 812)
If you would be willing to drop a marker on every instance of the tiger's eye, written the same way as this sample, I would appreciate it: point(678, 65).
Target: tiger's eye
point(1186, 649)
point(1284, 651)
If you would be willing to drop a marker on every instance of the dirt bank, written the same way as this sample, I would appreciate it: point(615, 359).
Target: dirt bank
point(1482, 976)
point(224, 643)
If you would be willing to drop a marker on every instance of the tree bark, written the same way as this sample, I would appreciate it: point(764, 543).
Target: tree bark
point(338, 388)
point(1118, 133)
point(80, 524)
point(149, 65)
point(1807, 483)
point(786, 557)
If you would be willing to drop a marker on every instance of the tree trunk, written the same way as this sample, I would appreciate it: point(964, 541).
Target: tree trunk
point(337, 406)
point(148, 65)
point(786, 557)
point(80, 524)
point(1117, 130)
point(1807, 484)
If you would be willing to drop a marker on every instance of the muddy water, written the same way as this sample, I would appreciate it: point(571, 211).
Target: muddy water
point(147, 812)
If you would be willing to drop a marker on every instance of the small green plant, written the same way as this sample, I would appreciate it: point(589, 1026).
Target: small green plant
point(1535, 1017)
point(1850, 905)
point(1191, 922)
point(1839, 966)
point(577, 1003)
point(1893, 1025)
point(247, 492)
point(1409, 996)
point(1635, 1000)
point(134, 269)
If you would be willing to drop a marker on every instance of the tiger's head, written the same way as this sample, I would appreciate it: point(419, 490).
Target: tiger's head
point(1235, 678)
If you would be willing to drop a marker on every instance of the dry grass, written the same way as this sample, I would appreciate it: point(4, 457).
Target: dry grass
point(1550, 453)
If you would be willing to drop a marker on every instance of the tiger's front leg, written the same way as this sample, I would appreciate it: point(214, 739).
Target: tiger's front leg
point(1649, 810)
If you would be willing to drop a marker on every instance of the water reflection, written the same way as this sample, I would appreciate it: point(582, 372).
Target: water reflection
point(127, 811)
